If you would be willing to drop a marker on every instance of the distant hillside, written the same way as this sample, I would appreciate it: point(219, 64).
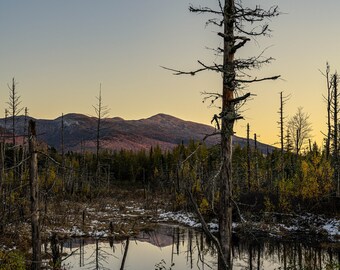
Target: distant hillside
point(161, 129)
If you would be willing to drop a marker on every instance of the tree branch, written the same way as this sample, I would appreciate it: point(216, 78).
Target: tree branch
point(179, 72)
point(206, 229)
point(258, 80)
point(239, 45)
point(239, 99)
point(201, 10)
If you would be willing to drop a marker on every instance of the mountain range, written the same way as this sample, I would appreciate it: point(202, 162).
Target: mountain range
point(116, 133)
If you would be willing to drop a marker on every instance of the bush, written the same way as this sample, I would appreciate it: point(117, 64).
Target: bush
point(12, 260)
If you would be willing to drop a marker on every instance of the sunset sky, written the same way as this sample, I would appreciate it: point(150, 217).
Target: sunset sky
point(59, 51)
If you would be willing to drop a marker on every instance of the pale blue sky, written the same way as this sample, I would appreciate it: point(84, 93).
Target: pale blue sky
point(59, 51)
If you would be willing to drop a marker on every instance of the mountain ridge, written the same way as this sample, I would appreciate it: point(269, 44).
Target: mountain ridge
point(161, 129)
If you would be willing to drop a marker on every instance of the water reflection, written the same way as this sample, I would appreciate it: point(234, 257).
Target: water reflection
point(182, 248)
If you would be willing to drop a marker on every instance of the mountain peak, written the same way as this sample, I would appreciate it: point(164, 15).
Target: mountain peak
point(71, 116)
point(163, 116)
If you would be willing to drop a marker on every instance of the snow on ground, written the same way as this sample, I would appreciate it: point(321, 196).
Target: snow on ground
point(188, 219)
point(184, 218)
point(303, 225)
point(123, 218)
point(5, 248)
point(332, 228)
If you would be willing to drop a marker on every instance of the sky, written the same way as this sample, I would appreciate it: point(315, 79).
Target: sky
point(60, 51)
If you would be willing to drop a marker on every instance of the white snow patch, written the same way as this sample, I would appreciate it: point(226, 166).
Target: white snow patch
point(75, 231)
point(332, 227)
point(99, 234)
point(70, 122)
point(213, 227)
point(180, 217)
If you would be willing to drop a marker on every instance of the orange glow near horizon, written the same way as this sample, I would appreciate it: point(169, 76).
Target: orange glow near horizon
point(60, 51)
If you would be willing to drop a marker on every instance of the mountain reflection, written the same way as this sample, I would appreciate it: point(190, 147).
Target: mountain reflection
point(182, 248)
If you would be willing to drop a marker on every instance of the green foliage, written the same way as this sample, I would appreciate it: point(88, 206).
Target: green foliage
point(287, 191)
point(332, 266)
point(180, 201)
point(204, 206)
point(268, 205)
point(12, 260)
point(316, 176)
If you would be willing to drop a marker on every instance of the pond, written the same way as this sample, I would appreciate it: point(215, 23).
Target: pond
point(171, 247)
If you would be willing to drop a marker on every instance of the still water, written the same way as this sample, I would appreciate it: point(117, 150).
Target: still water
point(179, 248)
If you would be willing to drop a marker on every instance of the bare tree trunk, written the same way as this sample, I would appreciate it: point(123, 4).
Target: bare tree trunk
point(125, 253)
point(297, 142)
point(97, 254)
point(227, 131)
point(36, 241)
point(62, 154)
point(281, 134)
point(14, 103)
point(281, 122)
point(2, 165)
point(335, 133)
point(101, 112)
point(329, 105)
point(256, 162)
point(24, 148)
point(248, 159)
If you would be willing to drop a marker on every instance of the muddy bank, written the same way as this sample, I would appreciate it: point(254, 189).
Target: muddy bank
point(127, 215)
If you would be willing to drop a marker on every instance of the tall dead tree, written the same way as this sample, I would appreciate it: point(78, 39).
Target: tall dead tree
point(329, 105)
point(256, 176)
point(335, 111)
point(283, 100)
point(34, 186)
point(101, 112)
point(239, 24)
point(248, 159)
point(332, 140)
point(300, 129)
point(2, 153)
point(14, 109)
point(24, 147)
point(62, 151)
point(281, 122)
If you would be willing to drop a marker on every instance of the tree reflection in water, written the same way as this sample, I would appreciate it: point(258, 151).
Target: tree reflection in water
point(182, 248)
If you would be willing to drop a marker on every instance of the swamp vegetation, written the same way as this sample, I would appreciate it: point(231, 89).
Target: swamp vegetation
point(131, 191)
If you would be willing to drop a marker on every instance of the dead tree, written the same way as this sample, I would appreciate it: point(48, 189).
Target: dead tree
point(34, 186)
point(328, 99)
point(281, 122)
point(248, 159)
point(300, 129)
point(62, 152)
point(14, 109)
point(283, 100)
point(101, 112)
point(239, 24)
point(335, 108)
point(24, 147)
point(332, 140)
point(122, 266)
point(256, 162)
